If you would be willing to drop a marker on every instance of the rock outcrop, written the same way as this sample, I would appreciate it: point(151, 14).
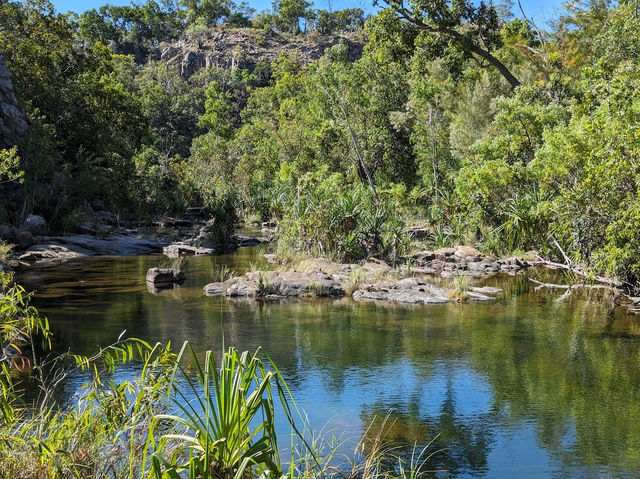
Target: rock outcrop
point(374, 280)
point(13, 124)
point(246, 47)
point(175, 250)
point(14, 236)
point(417, 291)
point(62, 248)
point(274, 284)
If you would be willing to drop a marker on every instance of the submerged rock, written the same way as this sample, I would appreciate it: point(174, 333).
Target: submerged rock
point(485, 290)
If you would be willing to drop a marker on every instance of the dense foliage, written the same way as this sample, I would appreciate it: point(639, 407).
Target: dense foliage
point(458, 117)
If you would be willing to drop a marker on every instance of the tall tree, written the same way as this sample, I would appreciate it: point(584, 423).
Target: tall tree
point(474, 30)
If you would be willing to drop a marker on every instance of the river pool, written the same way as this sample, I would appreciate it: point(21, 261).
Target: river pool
point(526, 386)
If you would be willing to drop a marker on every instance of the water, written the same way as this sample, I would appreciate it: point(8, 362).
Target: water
point(526, 385)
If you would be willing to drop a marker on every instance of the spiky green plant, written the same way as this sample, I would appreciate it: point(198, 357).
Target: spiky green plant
point(222, 272)
point(227, 431)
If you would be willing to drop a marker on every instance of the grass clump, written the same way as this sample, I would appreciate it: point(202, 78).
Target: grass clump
point(357, 277)
point(222, 273)
point(173, 263)
point(5, 249)
point(266, 287)
point(459, 292)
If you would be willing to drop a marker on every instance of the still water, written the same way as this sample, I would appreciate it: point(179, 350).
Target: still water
point(526, 386)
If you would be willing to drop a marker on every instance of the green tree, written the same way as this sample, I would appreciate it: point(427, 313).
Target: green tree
point(288, 14)
point(85, 126)
point(472, 30)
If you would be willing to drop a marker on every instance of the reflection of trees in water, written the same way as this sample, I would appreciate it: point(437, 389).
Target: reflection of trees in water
point(462, 442)
point(571, 368)
point(559, 366)
point(551, 366)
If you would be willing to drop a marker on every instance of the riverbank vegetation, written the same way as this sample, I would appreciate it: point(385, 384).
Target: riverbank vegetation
point(481, 127)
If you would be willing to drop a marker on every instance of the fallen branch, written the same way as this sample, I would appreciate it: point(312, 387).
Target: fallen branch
point(600, 279)
point(572, 287)
point(569, 267)
point(575, 286)
point(549, 285)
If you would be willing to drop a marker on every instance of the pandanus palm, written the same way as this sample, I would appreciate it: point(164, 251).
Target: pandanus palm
point(227, 430)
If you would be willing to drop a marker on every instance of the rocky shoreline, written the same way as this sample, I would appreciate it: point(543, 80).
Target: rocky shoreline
point(104, 234)
point(425, 277)
point(415, 281)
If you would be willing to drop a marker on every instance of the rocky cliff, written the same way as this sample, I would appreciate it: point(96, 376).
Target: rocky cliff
point(12, 121)
point(246, 47)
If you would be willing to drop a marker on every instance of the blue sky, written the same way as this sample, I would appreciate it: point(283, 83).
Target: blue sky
point(540, 10)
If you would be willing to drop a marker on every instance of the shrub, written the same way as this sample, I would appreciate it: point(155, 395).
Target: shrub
point(342, 220)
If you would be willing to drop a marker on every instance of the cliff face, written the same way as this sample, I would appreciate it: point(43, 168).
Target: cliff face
point(245, 48)
point(13, 123)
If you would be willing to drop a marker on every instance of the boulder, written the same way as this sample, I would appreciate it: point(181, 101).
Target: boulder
point(164, 276)
point(22, 239)
point(214, 289)
point(34, 224)
point(25, 239)
point(467, 252)
point(8, 234)
point(270, 257)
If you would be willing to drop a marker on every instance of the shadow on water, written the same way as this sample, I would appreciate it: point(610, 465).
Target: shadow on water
point(530, 384)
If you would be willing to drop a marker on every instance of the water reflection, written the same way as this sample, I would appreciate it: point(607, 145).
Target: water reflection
point(526, 384)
